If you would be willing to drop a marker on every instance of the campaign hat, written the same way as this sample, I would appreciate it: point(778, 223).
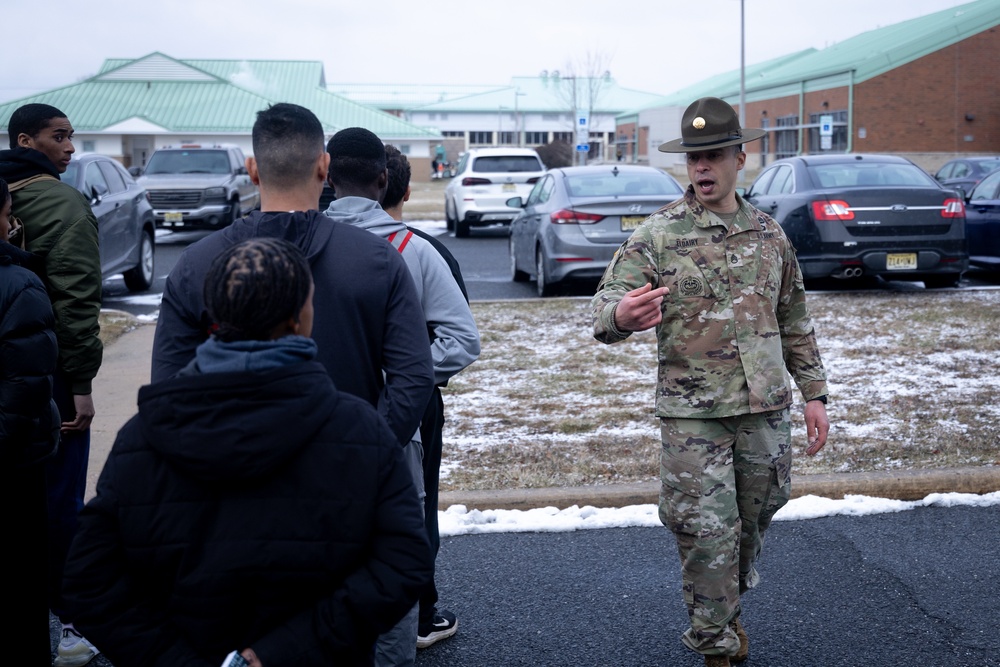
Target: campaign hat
point(710, 123)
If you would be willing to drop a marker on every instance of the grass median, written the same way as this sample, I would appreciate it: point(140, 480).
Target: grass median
point(914, 384)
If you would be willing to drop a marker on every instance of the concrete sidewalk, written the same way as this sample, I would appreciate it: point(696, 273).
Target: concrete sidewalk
point(126, 368)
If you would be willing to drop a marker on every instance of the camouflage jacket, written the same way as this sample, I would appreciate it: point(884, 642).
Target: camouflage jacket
point(735, 318)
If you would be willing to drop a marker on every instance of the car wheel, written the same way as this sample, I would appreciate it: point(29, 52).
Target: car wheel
point(449, 218)
point(516, 275)
point(542, 279)
point(140, 278)
point(944, 280)
point(461, 229)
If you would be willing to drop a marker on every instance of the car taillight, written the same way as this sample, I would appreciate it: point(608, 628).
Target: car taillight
point(568, 217)
point(833, 209)
point(470, 180)
point(953, 208)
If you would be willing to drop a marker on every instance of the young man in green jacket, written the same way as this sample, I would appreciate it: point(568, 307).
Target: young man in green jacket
point(59, 226)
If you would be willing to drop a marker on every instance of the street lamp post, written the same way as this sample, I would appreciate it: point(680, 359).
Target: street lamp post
point(517, 117)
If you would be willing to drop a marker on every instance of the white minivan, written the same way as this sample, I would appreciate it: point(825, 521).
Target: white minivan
point(484, 180)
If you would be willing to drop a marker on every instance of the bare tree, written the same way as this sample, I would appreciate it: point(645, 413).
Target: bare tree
point(581, 86)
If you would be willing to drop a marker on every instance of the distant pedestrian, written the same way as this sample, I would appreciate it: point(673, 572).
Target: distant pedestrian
point(720, 282)
point(250, 506)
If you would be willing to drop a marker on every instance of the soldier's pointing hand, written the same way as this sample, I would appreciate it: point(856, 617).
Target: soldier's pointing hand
point(639, 309)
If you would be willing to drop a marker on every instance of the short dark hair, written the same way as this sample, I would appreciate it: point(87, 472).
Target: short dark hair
point(399, 176)
point(287, 139)
point(4, 192)
point(254, 286)
point(31, 119)
point(357, 157)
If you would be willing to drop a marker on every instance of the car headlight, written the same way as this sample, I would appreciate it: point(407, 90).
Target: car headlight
point(215, 193)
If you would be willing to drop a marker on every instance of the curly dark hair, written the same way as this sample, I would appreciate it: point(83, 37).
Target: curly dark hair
point(399, 176)
point(254, 286)
point(357, 157)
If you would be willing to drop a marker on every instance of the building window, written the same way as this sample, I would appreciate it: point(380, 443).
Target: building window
point(89, 146)
point(564, 137)
point(536, 138)
point(432, 116)
point(452, 133)
point(404, 149)
point(838, 143)
point(480, 137)
point(508, 138)
point(444, 116)
point(787, 140)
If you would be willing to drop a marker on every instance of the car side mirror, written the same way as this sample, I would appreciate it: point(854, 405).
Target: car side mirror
point(135, 171)
point(515, 202)
point(97, 192)
point(242, 171)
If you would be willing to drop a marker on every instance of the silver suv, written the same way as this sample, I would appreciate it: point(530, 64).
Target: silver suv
point(484, 180)
point(198, 186)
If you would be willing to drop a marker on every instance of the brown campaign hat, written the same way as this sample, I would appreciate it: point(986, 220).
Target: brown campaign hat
point(710, 123)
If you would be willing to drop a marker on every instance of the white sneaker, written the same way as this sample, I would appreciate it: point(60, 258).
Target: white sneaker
point(74, 650)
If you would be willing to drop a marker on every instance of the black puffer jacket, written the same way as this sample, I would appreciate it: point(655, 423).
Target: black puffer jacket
point(29, 420)
point(258, 509)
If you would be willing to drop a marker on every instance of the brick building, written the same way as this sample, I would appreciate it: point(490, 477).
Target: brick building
point(926, 89)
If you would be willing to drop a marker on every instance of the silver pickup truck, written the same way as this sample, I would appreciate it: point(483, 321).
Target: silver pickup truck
point(204, 187)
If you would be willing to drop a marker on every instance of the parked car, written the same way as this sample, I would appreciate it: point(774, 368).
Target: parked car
point(964, 173)
point(194, 186)
point(124, 217)
point(851, 215)
point(982, 222)
point(576, 217)
point(485, 179)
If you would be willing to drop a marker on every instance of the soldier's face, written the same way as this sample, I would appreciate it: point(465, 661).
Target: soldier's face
point(713, 174)
point(55, 141)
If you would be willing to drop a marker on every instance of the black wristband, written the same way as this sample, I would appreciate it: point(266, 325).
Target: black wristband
point(821, 399)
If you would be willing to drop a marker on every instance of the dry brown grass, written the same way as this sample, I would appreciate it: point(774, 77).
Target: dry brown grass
point(913, 384)
point(113, 324)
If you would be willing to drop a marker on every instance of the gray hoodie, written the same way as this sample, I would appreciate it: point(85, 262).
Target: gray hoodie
point(453, 331)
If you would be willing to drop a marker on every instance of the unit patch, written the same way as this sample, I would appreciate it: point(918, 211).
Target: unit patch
point(691, 286)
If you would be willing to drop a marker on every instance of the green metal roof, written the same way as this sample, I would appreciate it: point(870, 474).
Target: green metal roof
point(867, 55)
point(542, 94)
point(404, 95)
point(209, 96)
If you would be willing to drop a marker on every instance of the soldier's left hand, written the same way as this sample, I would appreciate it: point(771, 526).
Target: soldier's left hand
point(817, 426)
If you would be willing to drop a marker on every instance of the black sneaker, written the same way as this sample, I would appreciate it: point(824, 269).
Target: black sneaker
point(443, 625)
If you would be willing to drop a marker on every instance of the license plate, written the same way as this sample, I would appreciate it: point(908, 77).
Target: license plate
point(630, 222)
point(173, 216)
point(509, 187)
point(906, 261)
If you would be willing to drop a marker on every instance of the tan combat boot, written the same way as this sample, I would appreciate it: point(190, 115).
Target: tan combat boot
point(744, 651)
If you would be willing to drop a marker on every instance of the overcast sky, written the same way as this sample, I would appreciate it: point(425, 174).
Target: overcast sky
point(657, 46)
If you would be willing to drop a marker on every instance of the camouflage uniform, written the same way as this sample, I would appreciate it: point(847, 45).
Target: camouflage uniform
point(735, 319)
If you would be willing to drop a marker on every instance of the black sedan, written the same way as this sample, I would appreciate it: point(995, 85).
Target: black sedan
point(982, 222)
point(124, 217)
point(965, 172)
point(851, 215)
point(576, 217)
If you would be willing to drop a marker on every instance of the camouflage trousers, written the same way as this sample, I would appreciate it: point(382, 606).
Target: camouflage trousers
point(722, 480)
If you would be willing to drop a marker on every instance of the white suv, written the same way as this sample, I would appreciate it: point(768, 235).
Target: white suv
point(484, 180)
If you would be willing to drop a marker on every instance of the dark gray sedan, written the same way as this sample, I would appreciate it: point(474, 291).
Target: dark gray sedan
point(576, 217)
point(852, 215)
point(124, 217)
point(982, 222)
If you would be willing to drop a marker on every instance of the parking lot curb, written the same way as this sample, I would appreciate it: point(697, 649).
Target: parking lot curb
point(897, 485)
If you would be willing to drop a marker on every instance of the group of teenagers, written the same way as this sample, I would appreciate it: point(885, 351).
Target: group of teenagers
point(274, 500)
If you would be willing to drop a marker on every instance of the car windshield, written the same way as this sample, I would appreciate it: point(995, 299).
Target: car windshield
point(188, 162)
point(988, 165)
point(506, 164)
point(852, 174)
point(622, 185)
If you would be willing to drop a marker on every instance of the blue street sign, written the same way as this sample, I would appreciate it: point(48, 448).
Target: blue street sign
point(583, 148)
